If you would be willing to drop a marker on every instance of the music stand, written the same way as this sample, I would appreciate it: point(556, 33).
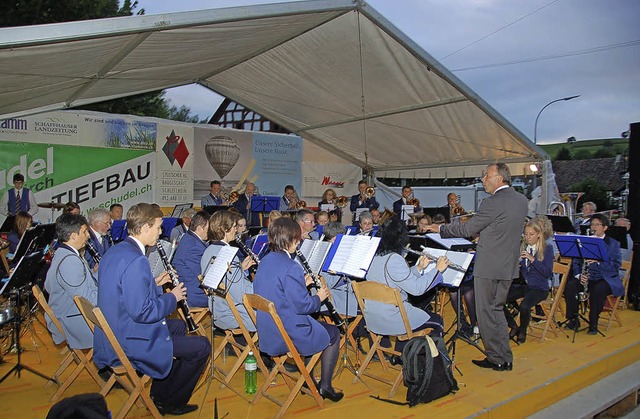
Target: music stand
point(212, 209)
point(618, 233)
point(8, 224)
point(179, 209)
point(431, 211)
point(119, 230)
point(406, 211)
point(35, 239)
point(582, 247)
point(264, 205)
point(561, 224)
point(20, 280)
point(168, 223)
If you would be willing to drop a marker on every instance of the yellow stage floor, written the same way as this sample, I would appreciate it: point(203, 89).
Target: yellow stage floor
point(544, 372)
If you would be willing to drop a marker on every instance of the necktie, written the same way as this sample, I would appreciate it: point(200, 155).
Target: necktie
point(530, 250)
point(18, 202)
point(104, 243)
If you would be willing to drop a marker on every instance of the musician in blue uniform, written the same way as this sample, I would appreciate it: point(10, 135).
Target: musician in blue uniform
point(136, 308)
point(281, 280)
point(18, 198)
point(186, 259)
point(405, 200)
point(600, 278)
point(178, 231)
point(68, 276)
point(99, 225)
point(222, 230)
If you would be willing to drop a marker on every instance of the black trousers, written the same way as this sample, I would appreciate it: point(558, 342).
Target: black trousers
point(530, 298)
point(598, 291)
point(190, 354)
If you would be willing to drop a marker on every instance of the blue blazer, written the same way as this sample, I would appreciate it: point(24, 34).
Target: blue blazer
point(67, 277)
point(186, 261)
point(368, 203)
point(136, 309)
point(97, 244)
point(538, 274)
point(281, 280)
point(609, 271)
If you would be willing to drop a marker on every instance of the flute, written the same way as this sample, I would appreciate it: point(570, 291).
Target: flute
point(182, 304)
point(335, 317)
point(451, 265)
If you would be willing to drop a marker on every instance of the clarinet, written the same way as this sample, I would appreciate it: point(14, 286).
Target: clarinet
point(182, 304)
point(335, 317)
point(247, 251)
point(93, 251)
point(109, 238)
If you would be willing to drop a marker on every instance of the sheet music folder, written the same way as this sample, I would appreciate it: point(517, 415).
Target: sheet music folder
point(584, 247)
point(119, 230)
point(218, 267)
point(434, 240)
point(351, 255)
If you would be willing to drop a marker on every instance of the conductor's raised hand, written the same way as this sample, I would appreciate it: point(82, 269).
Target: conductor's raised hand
point(180, 292)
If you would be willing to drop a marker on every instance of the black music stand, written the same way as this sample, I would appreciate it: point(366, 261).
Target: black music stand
point(561, 224)
point(179, 209)
point(431, 211)
point(212, 209)
point(582, 247)
point(264, 205)
point(35, 239)
point(20, 281)
point(8, 224)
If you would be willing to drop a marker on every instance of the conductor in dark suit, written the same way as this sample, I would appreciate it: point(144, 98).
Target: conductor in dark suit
point(136, 308)
point(499, 221)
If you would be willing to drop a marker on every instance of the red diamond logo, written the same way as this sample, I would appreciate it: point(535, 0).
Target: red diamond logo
point(181, 153)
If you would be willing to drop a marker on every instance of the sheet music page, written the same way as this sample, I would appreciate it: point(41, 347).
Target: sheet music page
point(306, 248)
point(452, 277)
point(448, 242)
point(219, 266)
point(318, 255)
point(342, 253)
point(407, 210)
point(360, 211)
point(327, 207)
point(361, 254)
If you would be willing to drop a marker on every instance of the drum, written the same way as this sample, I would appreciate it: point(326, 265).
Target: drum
point(7, 313)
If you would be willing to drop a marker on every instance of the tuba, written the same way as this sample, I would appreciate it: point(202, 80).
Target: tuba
point(567, 206)
point(386, 215)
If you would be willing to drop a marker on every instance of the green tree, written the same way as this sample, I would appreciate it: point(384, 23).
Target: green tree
point(35, 12)
point(594, 192)
point(603, 152)
point(582, 155)
point(563, 154)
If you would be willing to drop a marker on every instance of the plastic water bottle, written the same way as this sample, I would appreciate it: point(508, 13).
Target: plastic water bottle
point(250, 374)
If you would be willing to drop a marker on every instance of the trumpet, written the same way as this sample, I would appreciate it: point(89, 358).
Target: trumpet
point(429, 256)
point(413, 201)
point(342, 201)
point(369, 192)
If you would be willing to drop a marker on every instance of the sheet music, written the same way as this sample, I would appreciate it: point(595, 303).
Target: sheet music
point(327, 207)
point(448, 242)
point(452, 277)
point(315, 252)
point(360, 211)
point(354, 255)
point(219, 266)
point(407, 210)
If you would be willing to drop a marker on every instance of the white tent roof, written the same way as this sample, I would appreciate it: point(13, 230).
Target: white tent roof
point(334, 71)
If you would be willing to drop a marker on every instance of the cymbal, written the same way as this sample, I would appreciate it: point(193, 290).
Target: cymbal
point(54, 205)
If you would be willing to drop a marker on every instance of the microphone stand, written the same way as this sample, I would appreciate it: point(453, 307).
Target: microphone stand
point(346, 361)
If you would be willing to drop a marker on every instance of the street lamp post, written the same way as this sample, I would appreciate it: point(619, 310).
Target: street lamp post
point(535, 127)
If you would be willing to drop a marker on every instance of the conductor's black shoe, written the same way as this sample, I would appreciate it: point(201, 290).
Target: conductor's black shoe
point(485, 363)
point(593, 330)
point(334, 396)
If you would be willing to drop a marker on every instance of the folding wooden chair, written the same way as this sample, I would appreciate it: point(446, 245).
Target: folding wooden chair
point(613, 303)
point(551, 304)
point(125, 374)
point(242, 351)
point(81, 358)
point(375, 291)
point(198, 314)
point(293, 380)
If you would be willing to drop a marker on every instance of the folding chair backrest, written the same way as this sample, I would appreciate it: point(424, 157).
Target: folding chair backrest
point(381, 293)
point(37, 292)
point(94, 316)
point(257, 302)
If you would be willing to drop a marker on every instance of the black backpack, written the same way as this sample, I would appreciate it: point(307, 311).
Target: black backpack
point(427, 370)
